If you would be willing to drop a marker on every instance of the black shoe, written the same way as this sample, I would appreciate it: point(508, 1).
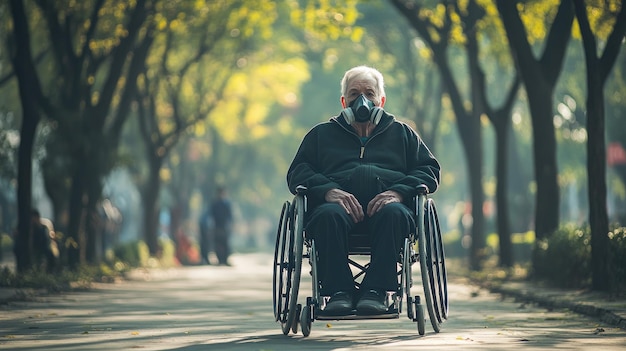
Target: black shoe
point(340, 304)
point(372, 302)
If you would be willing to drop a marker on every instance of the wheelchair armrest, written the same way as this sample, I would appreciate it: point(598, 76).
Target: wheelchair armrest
point(301, 189)
point(422, 189)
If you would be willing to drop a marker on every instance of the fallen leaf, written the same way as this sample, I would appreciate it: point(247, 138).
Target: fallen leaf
point(134, 333)
point(328, 325)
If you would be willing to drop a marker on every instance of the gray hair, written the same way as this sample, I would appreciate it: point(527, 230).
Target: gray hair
point(365, 73)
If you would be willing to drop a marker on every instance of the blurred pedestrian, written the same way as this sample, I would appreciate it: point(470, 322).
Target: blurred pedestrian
point(221, 212)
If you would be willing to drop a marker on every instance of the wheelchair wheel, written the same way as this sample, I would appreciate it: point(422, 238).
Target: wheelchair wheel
point(288, 264)
point(279, 252)
point(439, 277)
point(432, 263)
point(305, 319)
point(419, 314)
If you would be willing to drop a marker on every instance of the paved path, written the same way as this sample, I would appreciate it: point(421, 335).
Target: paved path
point(230, 308)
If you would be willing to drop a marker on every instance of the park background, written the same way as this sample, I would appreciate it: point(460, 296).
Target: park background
point(119, 119)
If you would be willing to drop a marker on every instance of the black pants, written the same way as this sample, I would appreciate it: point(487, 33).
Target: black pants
point(329, 225)
point(222, 244)
point(205, 244)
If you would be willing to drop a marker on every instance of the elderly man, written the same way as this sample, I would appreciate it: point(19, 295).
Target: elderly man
point(361, 169)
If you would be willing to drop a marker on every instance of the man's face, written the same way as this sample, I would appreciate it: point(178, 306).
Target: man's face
point(360, 86)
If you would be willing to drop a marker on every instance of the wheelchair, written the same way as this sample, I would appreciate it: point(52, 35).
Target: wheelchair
point(424, 246)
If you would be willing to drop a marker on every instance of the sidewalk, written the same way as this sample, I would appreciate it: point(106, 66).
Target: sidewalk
point(608, 309)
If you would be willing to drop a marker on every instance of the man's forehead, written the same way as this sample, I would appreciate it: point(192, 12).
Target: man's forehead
point(358, 84)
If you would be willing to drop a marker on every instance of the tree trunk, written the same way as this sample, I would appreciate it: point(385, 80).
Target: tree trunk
point(75, 234)
point(503, 225)
point(94, 225)
point(23, 242)
point(596, 169)
point(30, 95)
point(473, 154)
point(544, 154)
point(150, 198)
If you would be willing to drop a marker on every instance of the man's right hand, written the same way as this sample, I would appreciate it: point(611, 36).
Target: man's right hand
point(348, 202)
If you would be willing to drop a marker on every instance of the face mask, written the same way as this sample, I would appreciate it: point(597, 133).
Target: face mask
point(362, 110)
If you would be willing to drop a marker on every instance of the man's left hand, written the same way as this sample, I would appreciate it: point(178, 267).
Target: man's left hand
point(381, 200)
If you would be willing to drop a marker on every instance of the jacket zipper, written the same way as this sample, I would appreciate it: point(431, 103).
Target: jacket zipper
point(362, 151)
point(362, 154)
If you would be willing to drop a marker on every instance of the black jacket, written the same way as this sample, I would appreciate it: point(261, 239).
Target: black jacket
point(332, 155)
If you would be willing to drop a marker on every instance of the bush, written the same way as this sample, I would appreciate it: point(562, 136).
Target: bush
point(133, 254)
point(117, 261)
point(6, 243)
point(62, 281)
point(563, 259)
point(137, 254)
point(168, 253)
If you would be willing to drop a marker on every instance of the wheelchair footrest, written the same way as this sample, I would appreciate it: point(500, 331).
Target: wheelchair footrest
point(391, 314)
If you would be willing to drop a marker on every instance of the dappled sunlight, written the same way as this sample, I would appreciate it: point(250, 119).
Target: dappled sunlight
point(230, 308)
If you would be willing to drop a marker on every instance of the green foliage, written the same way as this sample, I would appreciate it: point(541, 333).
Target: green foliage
point(136, 254)
point(6, 242)
point(61, 281)
point(565, 257)
point(133, 254)
point(168, 253)
point(617, 250)
point(120, 260)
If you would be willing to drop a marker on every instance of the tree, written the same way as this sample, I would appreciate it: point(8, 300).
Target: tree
point(419, 95)
point(540, 76)
point(173, 93)
point(500, 118)
point(31, 96)
point(438, 35)
point(598, 69)
point(87, 96)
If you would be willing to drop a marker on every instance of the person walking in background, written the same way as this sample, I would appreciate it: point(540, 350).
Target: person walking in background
point(222, 219)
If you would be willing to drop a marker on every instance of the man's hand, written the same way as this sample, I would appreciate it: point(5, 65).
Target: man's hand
point(348, 202)
point(381, 200)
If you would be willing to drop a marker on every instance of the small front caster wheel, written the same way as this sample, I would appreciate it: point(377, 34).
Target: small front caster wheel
point(419, 316)
point(305, 321)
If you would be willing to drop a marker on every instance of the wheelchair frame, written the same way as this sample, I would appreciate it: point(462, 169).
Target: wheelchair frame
point(288, 255)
